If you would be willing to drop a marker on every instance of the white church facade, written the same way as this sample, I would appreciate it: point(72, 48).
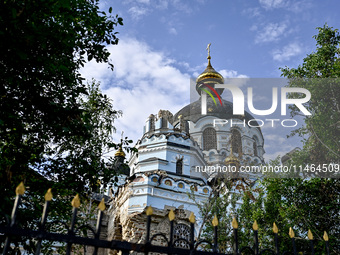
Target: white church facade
point(171, 151)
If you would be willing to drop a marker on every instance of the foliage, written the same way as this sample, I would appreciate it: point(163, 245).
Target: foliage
point(313, 203)
point(222, 203)
point(54, 128)
point(305, 204)
point(322, 129)
point(42, 115)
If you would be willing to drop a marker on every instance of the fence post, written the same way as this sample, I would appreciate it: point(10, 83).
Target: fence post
point(20, 190)
point(101, 208)
point(171, 218)
point(149, 212)
point(75, 204)
point(215, 224)
point(234, 224)
point(311, 239)
point(192, 220)
point(256, 237)
point(276, 238)
point(325, 237)
point(48, 198)
point(292, 236)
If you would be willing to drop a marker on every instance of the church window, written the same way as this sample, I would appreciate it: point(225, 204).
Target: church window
point(181, 231)
point(255, 146)
point(154, 179)
point(255, 149)
point(179, 166)
point(205, 190)
point(236, 142)
point(209, 139)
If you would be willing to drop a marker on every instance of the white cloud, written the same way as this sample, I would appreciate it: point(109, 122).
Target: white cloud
point(272, 32)
point(173, 31)
point(138, 12)
point(270, 4)
point(231, 74)
point(289, 5)
point(252, 12)
point(143, 82)
point(289, 51)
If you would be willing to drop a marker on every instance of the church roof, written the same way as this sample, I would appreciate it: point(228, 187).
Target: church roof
point(193, 113)
point(210, 73)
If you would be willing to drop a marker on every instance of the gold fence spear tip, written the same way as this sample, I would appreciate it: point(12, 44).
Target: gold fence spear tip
point(310, 235)
point(48, 195)
point(325, 236)
point(149, 211)
point(291, 233)
point(76, 201)
point(171, 215)
point(215, 221)
point(275, 229)
point(101, 205)
point(234, 223)
point(20, 190)
point(255, 226)
point(192, 218)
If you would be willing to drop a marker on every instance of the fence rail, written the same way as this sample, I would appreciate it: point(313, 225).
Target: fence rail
point(126, 247)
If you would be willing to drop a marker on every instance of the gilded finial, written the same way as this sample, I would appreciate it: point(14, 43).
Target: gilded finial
point(48, 195)
point(120, 152)
point(234, 223)
point(192, 218)
point(208, 49)
point(76, 201)
point(215, 221)
point(291, 233)
point(149, 211)
point(310, 235)
point(20, 190)
point(325, 236)
point(209, 57)
point(275, 229)
point(255, 226)
point(171, 215)
point(101, 205)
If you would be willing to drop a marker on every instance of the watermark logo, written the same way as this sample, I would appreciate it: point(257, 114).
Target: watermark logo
point(207, 92)
point(239, 99)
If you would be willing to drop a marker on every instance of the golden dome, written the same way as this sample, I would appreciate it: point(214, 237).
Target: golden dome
point(231, 159)
point(120, 153)
point(211, 74)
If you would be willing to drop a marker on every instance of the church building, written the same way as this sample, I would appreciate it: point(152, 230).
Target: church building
point(172, 149)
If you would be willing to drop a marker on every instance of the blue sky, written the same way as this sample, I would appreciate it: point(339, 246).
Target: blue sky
point(163, 43)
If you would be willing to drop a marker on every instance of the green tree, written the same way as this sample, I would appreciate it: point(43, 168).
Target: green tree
point(304, 204)
point(44, 45)
point(313, 203)
point(54, 128)
point(319, 73)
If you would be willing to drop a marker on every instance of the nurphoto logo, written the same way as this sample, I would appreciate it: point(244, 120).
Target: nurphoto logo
point(238, 100)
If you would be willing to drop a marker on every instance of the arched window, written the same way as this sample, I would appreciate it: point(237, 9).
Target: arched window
point(255, 146)
point(255, 149)
point(236, 142)
point(209, 139)
point(179, 166)
point(181, 231)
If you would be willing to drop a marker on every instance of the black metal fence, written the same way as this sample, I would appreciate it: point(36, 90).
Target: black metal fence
point(191, 246)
